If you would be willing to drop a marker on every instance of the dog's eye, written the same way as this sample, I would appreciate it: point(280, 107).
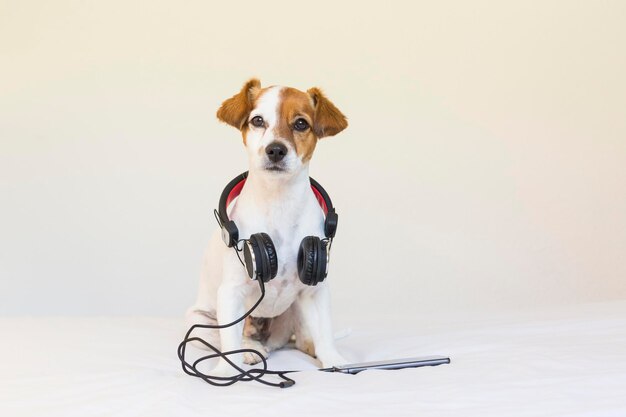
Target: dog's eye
point(257, 121)
point(301, 125)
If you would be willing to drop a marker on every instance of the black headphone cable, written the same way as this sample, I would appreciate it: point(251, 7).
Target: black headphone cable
point(254, 374)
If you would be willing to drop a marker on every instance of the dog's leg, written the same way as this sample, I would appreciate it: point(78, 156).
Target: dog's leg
point(230, 306)
point(196, 315)
point(255, 334)
point(314, 310)
point(304, 341)
point(253, 358)
point(267, 334)
point(281, 330)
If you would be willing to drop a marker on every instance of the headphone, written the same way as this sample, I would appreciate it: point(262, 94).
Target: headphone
point(261, 263)
point(260, 258)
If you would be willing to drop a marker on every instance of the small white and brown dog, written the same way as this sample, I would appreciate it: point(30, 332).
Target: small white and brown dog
point(280, 128)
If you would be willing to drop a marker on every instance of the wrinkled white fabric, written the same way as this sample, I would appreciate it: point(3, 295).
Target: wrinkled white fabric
point(568, 361)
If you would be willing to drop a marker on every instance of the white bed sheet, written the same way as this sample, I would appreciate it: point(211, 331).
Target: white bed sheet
point(559, 362)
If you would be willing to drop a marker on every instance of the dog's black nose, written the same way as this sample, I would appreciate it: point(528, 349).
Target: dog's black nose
point(276, 151)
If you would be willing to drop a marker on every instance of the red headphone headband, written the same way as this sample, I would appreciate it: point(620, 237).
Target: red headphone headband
point(230, 233)
point(234, 193)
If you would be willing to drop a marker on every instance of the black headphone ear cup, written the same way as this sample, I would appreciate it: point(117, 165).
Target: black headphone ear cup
point(312, 260)
point(272, 257)
point(306, 260)
point(249, 257)
point(319, 272)
point(260, 257)
point(322, 261)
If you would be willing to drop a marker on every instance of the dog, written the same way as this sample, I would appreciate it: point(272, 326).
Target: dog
point(280, 127)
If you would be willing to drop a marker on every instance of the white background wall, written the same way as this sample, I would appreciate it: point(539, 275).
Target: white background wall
point(484, 166)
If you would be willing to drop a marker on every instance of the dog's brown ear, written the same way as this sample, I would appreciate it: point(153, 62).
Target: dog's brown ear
point(328, 120)
point(236, 109)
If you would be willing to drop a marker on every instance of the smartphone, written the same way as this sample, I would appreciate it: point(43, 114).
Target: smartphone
point(355, 368)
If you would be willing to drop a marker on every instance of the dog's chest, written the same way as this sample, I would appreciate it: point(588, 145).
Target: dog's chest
point(287, 222)
point(281, 291)
point(279, 295)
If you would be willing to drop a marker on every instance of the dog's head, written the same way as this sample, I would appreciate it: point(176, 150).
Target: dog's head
point(281, 125)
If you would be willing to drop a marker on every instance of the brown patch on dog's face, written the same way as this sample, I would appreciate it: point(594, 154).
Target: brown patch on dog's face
point(245, 128)
point(296, 111)
point(275, 115)
point(311, 110)
point(236, 109)
point(329, 120)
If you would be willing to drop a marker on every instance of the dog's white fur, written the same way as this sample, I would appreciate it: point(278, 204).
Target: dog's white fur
point(282, 205)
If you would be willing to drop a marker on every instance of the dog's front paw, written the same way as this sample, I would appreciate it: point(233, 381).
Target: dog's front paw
point(224, 370)
point(332, 359)
point(252, 358)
